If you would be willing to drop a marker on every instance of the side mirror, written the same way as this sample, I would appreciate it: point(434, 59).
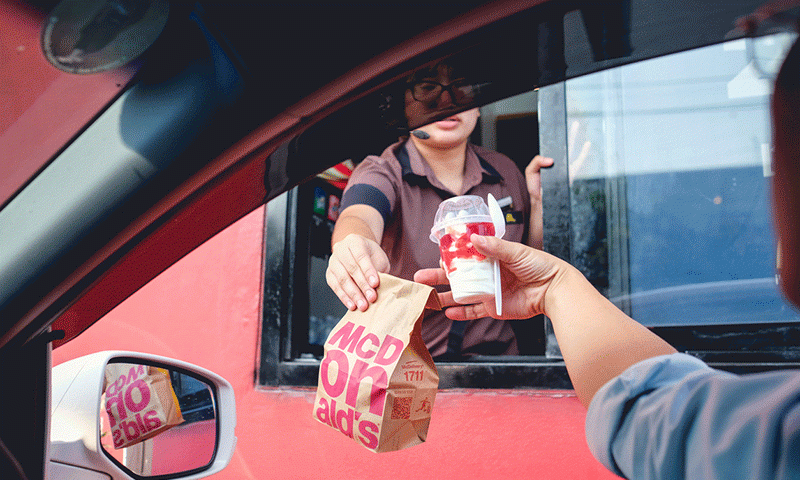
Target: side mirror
point(132, 415)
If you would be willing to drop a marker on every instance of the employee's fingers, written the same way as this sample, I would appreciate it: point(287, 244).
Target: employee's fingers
point(344, 287)
point(353, 270)
point(379, 261)
point(533, 176)
point(368, 259)
point(359, 266)
point(537, 163)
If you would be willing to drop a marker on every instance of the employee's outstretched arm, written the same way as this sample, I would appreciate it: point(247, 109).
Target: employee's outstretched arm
point(357, 257)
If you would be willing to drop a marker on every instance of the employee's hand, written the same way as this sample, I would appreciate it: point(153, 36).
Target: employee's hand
point(527, 275)
point(533, 177)
point(353, 270)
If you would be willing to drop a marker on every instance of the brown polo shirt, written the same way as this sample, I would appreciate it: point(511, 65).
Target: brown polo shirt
point(403, 188)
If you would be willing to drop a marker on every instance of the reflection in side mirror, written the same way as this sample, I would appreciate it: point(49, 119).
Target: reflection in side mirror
point(157, 421)
point(200, 438)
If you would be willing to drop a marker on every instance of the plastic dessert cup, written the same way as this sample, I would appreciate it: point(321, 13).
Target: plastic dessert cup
point(471, 274)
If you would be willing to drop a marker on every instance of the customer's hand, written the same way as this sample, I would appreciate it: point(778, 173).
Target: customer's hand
point(527, 275)
point(353, 270)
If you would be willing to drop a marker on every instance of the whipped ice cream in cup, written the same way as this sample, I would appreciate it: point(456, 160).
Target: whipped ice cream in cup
point(470, 273)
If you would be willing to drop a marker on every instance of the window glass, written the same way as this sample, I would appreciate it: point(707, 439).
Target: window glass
point(669, 170)
point(325, 308)
point(511, 127)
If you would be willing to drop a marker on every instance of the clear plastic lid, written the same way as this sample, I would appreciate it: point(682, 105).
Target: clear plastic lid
point(458, 211)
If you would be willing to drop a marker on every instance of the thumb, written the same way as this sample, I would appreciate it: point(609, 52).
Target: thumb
point(500, 249)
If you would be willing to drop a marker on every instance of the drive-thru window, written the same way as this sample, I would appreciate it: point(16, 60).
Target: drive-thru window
point(659, 195)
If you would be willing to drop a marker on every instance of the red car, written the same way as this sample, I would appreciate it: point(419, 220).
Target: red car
point(170, 173)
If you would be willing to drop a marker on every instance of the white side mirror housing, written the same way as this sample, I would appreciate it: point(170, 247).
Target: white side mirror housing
point(200, 443)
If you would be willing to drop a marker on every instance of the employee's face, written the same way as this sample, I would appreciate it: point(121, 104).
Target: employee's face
point(435, 96)
point(451, 131)
point(439, 92)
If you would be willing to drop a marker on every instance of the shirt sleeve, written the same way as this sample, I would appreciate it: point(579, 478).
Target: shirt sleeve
point(372, 183)
point(673, 417)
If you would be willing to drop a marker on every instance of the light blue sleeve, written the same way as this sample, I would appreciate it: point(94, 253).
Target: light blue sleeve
point(673, 417)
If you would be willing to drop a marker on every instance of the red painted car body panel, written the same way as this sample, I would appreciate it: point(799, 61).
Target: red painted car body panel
point(43, 106)
point(205, 310)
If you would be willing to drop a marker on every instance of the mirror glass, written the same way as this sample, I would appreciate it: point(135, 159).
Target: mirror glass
point(157, 421)
point(90, 36)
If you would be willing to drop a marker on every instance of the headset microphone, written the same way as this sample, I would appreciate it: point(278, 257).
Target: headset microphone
point(420, 134)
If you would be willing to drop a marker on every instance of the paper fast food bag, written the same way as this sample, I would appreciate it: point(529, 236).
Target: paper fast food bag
point(140, 402)
point(377, 380)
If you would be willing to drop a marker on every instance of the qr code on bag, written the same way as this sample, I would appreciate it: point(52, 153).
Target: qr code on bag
point(401, 410)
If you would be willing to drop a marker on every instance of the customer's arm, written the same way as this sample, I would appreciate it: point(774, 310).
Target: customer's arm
point(598, 341)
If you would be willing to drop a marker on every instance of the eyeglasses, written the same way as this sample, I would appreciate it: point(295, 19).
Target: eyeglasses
point(427, 91)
